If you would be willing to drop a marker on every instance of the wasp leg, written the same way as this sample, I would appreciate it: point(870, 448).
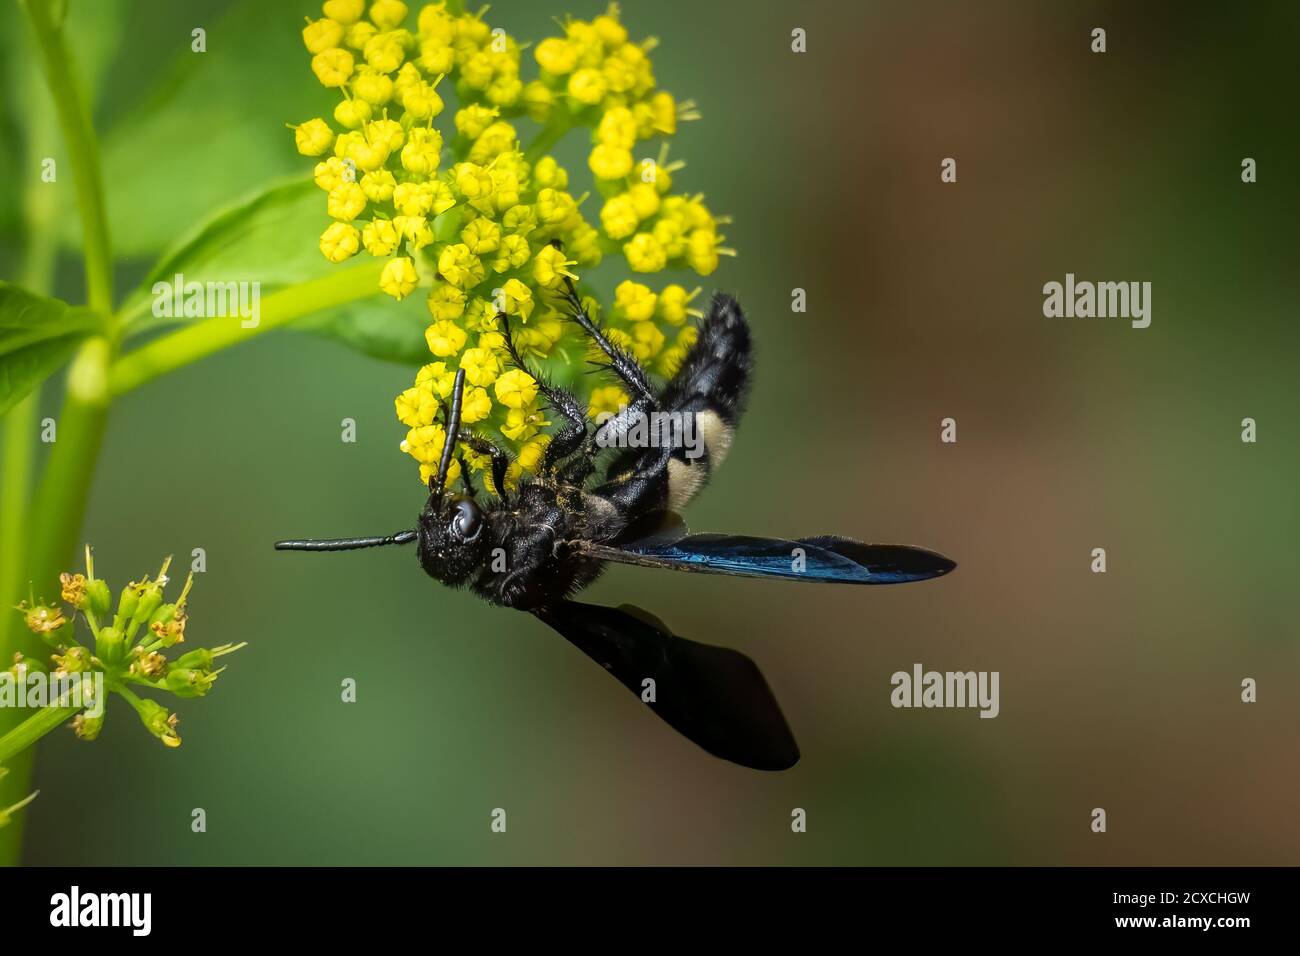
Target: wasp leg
point(623, 365)
point(480, 445)
point(562, 400)
point(500, 460)
point(606, 435)
point(567, 441)
point(465, 478)
point(570, 438)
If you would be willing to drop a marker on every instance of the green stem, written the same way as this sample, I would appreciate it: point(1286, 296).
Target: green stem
point(65, 486)
point(18, 441)
point(14, 786)
point(550, 134)
point(61, 500)
point(83, 152)
point(59, 509)
point(20, 804)
point(33, 729)
point(200, 340)
point(15, 490)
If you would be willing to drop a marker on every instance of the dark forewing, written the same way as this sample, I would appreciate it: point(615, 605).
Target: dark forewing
point(826, 559)
point(714, 696)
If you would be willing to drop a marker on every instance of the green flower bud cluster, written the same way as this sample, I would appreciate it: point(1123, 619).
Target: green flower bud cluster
point(127, 644)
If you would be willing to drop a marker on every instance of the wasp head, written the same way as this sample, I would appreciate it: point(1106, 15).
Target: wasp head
point(452, 541)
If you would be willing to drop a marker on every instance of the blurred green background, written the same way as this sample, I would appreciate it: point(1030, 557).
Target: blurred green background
point(924, 301)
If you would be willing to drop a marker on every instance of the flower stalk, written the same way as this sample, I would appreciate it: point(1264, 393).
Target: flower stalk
point(7, 813)
point(33, 729)
point(83, 148)
point(58, 513)
point(202, 339)
point(549, 135)
point(60, 503)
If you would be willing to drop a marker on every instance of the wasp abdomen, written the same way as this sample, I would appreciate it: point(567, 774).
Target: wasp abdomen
point(701, 407)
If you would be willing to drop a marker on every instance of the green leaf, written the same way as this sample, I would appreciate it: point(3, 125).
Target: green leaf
point(36, 337)
point(271, 238)
point(24, 370)
point(381, 328)
point(213, 125)
point(27, 318)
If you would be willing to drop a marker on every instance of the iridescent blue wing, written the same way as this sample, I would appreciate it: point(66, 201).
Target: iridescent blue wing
point(711, 695)
point(825, 559)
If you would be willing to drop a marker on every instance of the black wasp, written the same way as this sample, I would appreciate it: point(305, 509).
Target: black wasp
point(559, 527)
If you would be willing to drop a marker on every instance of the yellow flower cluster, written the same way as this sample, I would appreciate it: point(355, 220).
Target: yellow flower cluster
point(595, 76)
point(486, 227)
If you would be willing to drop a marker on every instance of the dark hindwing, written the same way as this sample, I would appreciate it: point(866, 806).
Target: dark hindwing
point(714, 696)
point(824, 559)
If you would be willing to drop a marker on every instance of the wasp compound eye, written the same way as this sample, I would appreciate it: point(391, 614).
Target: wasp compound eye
point(466, 520)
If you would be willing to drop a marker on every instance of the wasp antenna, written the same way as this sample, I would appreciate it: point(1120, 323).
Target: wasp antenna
point(453, 431)
point(347, 544)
